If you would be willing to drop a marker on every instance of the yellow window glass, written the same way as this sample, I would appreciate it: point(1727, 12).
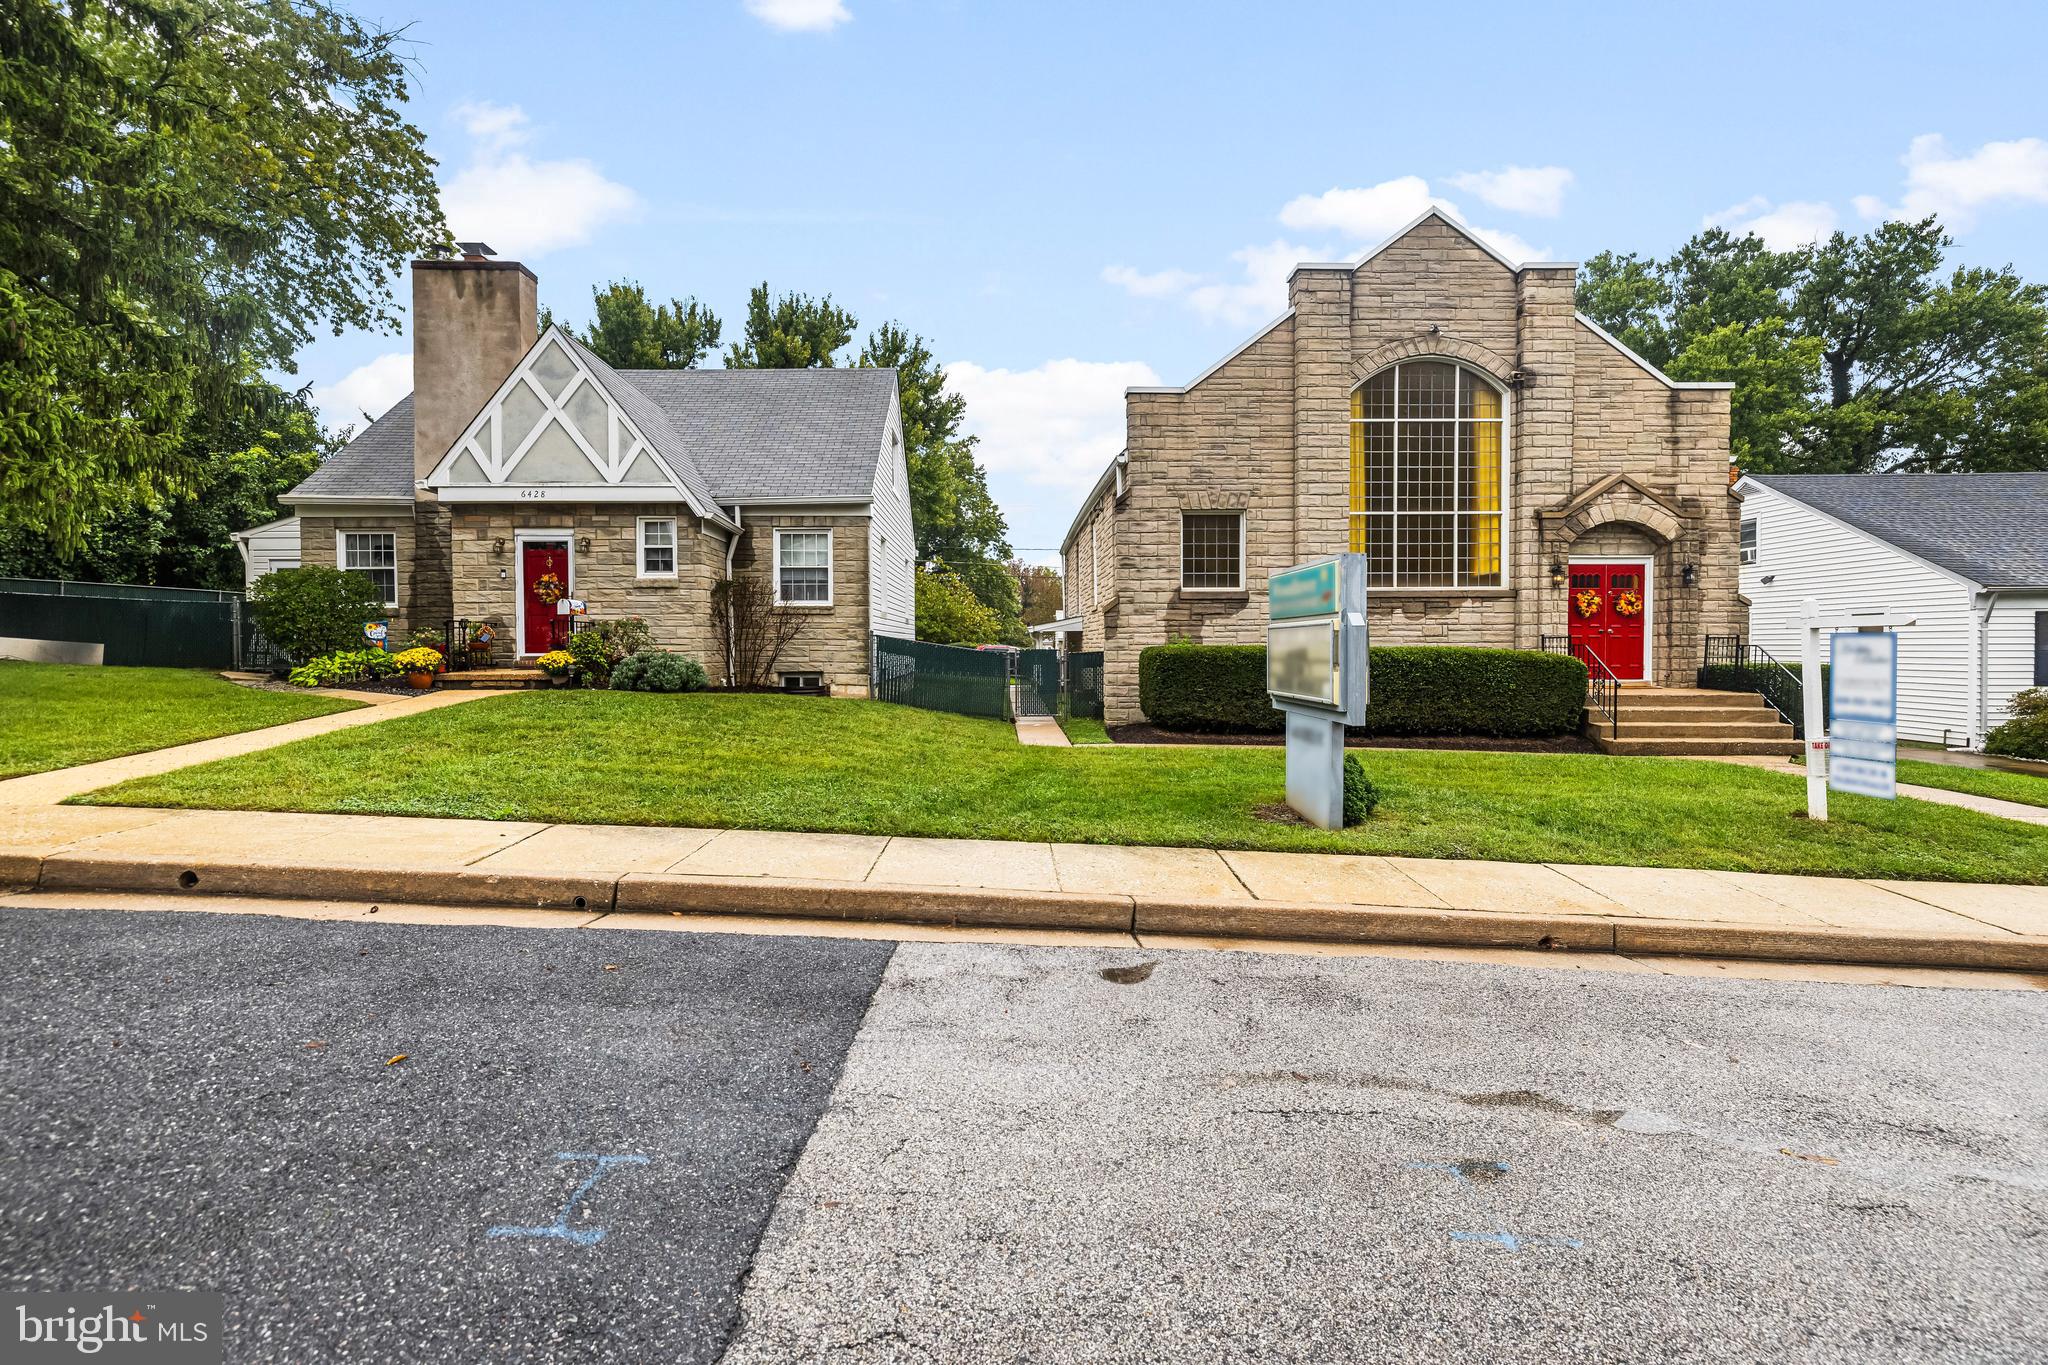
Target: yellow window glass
point(1427, 469)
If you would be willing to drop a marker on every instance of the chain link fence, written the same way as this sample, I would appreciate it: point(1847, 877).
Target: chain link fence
point(967, 682)
point(134, 623)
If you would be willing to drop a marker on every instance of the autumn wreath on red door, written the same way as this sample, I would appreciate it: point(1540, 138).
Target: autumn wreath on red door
point(1587, 600)
point(1628, 604)
point(548, 589)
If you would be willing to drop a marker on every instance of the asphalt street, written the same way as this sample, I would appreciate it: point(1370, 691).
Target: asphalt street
point(1006, 1153)
point(210, 1102)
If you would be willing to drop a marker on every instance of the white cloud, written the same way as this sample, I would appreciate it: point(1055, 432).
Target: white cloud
point(1955, 187)
point(1364, 215)
point(1536, 190)
point(521, 206)
point(1781, 226)
point(1051, 427)
point(800, 16)
point(1159, 284)
point(1509, 245)
point(365, 393)
point(1261, 294)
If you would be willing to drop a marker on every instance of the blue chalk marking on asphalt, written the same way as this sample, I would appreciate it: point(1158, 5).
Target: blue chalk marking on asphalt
point(1511, 1243)
point(560, 1229)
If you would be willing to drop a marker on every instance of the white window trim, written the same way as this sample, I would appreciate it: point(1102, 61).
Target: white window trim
point(831, 584)
point(520, 535)
point(1648, 564)
point(1507, 482)
point(1180, 550)
point(1752, 552)
point(341, 559)
point(1095, 561)
point(675, 548)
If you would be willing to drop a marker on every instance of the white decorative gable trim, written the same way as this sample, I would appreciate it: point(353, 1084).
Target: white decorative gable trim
point(553, 431)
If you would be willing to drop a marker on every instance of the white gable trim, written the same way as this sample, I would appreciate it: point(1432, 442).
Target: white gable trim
point(482, 441)
point(1662, 378)
point(1451, 221)
point(1254, 339)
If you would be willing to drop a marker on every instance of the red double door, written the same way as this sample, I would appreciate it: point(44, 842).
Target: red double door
point(1610, 615)
point(543, 581)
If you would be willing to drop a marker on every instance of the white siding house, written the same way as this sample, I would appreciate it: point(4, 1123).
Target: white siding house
point(273, 545)
point(1966, 554)
point(892, 545)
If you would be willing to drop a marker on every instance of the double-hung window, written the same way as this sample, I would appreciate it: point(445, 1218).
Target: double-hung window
point(657, 547)
point(374, 555)
point(803, 568)
point(1749, 541)
point(1212, 550)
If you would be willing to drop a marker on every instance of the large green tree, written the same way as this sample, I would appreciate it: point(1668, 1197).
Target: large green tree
point(957, 523)
point(794, 332)
point(241, 460)
point(1855, 354)
point(188, 188)
point(630, 333)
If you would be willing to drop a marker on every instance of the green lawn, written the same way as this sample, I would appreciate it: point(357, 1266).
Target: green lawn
point(802, 763)
point(1084, 730)
point(2006, 786)
point(61, 715)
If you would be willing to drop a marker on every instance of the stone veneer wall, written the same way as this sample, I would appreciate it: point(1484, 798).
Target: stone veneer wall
point(1268, 432)
point(836, 641)
point(677, 610)
point(319, 543)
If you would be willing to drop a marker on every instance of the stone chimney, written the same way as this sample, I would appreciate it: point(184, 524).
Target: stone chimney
point(472, 320)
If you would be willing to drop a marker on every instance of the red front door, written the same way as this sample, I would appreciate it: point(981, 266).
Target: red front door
point(1610, 610)
point(543, 581)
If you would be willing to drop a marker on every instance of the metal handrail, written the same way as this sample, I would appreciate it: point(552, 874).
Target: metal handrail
point(1603, 689)
point(1782, 690)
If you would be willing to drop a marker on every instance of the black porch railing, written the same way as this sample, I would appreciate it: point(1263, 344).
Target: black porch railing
point(1732, 664)
point(1603, 689)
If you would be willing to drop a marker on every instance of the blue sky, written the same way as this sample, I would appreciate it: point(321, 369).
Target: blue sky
point(1070, 198)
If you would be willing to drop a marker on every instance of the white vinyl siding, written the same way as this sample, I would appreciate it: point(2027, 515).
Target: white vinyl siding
point(2009, 650)
point(270, 548)
point(1810, 555)
point(892, 544)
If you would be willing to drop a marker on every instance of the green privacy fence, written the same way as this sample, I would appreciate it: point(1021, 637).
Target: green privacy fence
point(138, 625)
point(967, 682)
point(1084, 684)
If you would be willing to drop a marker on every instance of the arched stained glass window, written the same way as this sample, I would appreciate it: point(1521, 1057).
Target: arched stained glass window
point(1427, 476)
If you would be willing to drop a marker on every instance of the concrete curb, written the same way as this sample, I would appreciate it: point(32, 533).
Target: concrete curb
point(656, 893)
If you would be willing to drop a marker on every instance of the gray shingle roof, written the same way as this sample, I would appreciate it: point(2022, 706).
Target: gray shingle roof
point(376, 464)
point(1990, 528)
point(731, 435)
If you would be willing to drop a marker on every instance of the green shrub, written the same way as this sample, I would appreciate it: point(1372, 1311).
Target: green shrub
point(657, 670)
point(1415, 690)
point(2026, 734)
point(1361, 797)
point(343, 667)
point(313, 611)
point(600, 645)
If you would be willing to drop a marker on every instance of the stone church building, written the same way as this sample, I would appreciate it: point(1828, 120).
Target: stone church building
point(1517, 477)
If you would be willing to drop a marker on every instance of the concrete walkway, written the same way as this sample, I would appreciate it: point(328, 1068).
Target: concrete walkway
point(1323, 897)
point(1941, 796)
point(43, 789)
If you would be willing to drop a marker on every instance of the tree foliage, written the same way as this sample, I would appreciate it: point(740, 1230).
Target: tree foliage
point(187, 189)
point(1851, 355)
point(240, 462)
point(794, 332)
point(949, 612)
point(1038, 591)
point(630, 333)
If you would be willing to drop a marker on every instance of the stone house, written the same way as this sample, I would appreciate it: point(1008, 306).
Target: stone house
point(523, 473)
point(1517, 476)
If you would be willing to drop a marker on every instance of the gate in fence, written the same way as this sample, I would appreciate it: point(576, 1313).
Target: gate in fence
point(967, 682)
point(1038, 682)
point(134, 623)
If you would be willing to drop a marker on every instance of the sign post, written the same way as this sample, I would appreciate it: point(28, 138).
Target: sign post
point(1866, 710)
point(1316, 672)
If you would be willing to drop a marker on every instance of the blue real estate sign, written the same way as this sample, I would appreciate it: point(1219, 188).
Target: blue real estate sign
point(1863, 695)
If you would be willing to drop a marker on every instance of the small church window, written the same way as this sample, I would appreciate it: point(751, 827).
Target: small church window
point(1428, 476)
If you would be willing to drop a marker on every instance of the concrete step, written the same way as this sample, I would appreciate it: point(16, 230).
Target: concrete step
point(1689, 697)
point(1703, 714)
point(1667, 728)
point(1686, 748)
point(497, 679)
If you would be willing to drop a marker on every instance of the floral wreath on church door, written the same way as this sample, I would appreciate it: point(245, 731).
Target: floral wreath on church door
point(1587, 600)
point(1628, 604)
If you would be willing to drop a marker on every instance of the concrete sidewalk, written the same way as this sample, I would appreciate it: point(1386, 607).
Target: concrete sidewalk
point(1188, 891)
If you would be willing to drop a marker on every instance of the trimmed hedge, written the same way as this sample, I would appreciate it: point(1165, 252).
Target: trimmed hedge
point(1416, 690)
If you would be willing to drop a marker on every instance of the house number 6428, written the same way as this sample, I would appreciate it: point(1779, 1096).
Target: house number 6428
point(533, 492)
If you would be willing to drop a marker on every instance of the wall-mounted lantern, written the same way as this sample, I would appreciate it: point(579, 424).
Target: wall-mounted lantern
point(583, 545)
point(1689, 575)
point(498, 545)
point(1557, 573)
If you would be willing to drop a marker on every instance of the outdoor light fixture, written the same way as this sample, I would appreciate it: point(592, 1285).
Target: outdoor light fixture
point(499, 545)
point(583, 545)
point(1557, 574)
point(1689, 575)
